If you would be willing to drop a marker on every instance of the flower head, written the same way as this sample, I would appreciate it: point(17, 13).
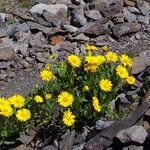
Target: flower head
point(105, 85)
point(23, 114)
point(111, 56)
point(74, 61)
point(65, 99)
point(131, 80)
point(38, 99)
point(91, 47)
point(122, 72)
point(86, 88)
point(68, 118)
point(46, 75)
point(96, 105)
point(17, 101)
point(6, 109)
point(126, 60)
point(105, 48)
point(48, 96)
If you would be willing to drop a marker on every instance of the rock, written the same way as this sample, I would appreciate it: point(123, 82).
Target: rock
point(4, 65)
point(53, 9)
point(129, 16)
point(40, 57)
point(57, 40)
point(78, 19)
point(94, 29)
point(49, 147)
point(22, 27)
point(81, 37)
point(93, 14)
point(45, 30)
point(139, 64)
point(23, 147)
point(67, 2)
point(146, 125)
point(67, 142)
point(144, 19)
point(100, 124)
point(147, 113)
point(135, 134)
point(144, 7)
point(133, 10)
point(6, 49)
point(78, 2)
point(109, 8)
point(130, 3)
point(60, 16)
point(3, 17)
point(126, 28)
point(78, 147)
point(70, 28)
point(133, 147)
point(37, 40)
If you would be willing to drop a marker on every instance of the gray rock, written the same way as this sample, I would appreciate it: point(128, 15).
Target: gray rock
point(81, 37)
point(49, 147)
point(53, 9)
point(126, 28)
point(144, 19)
point(133, 10)
point(135, 134)
point(140, 63)
point(4, 65)
point(70, 28)
point(109, 8)
point(129, 16)
point(144, 7)
point(147, 113)
point(78, 2)
point(3, 17)
point(93, 14)
point(78, 19)
point(6, 53)
point(94, 29)
point(67, 142)
point(40, 58)
point(100, 124)
point(22, 27)
point(78, 147)
point(130, 2)
point(133, 147)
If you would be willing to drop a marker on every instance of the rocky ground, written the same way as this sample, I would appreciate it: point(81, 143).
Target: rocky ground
point(32, 32)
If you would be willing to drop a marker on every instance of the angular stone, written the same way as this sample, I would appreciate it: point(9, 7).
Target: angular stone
point(93, 14)
point(139, 64)
point(67, 142)
point(100, 124)
point(130, 3)
point(129, 16)
point(126, 28)
point(49, 147)
point(53, 9)
point(95, 29)
point(144, 19)
point(133, 134)
point(144, 7)
point(57, 40)
point(133, 10)
point(78, 18)
point(81, 37)
point(109, 8)
point(70, 28)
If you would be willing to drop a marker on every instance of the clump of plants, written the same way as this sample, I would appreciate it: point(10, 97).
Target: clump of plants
point(77, 92)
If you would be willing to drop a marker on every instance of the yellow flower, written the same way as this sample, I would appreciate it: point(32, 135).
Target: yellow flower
point(38, 99)
point(86, 88)
point(105, 48)
point(126, 60)
point(17, 101)
point(48, 96)
point(23, 114)
point(90, 67)
point(3, 101)
point(68, 118)
point(91, 47)
point(96, 105)
point(74, 61)
point(6, 110)
point(101, 59)
point(131, 80)
point(65, 99)
point(111, 56)
point(46, 75)
point(105, 85)
point(122, 72)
